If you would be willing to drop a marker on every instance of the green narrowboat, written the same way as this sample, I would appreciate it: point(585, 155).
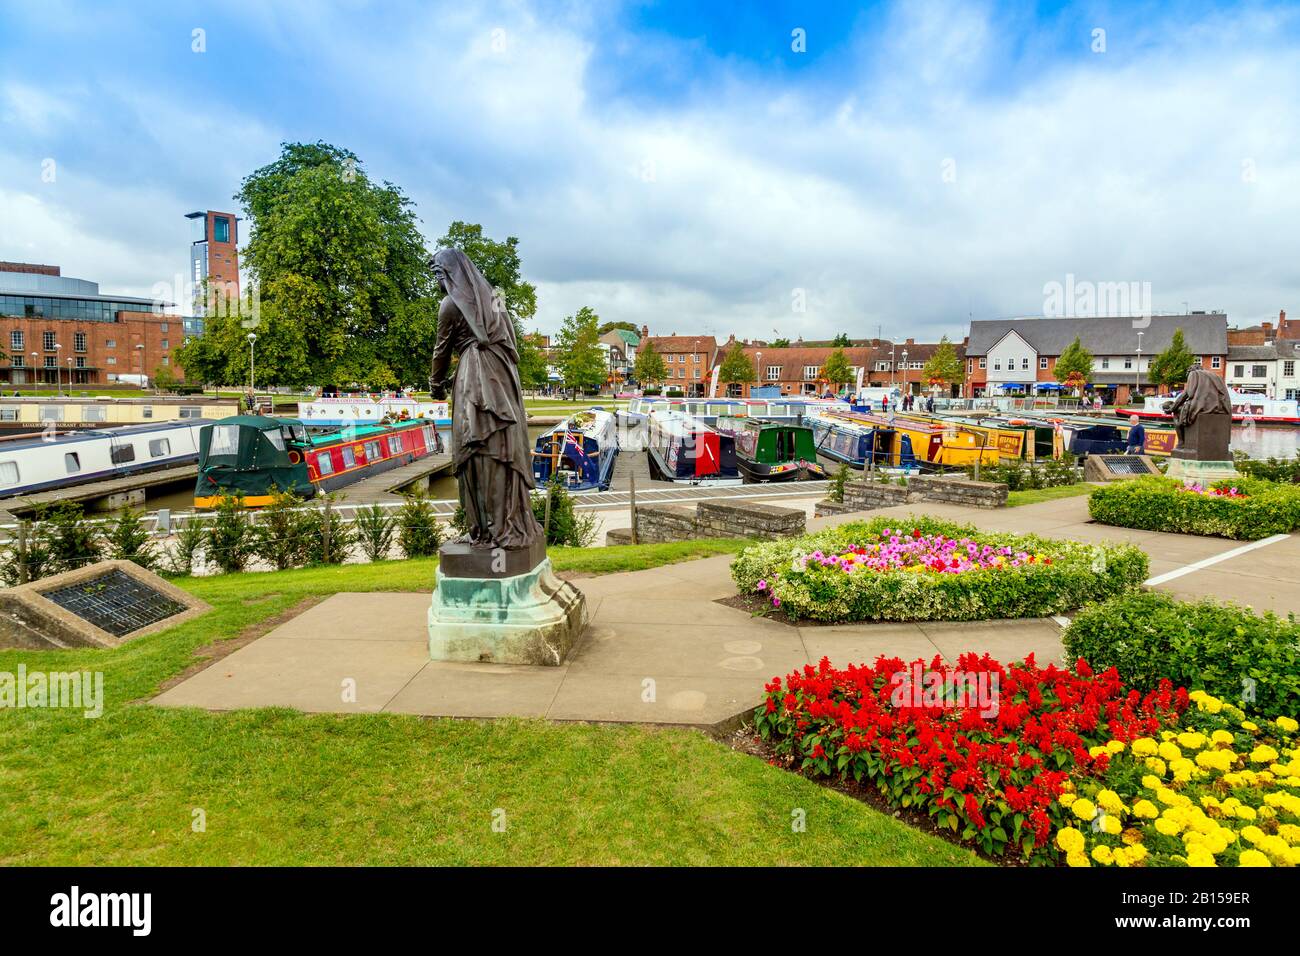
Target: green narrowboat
point(772, 451)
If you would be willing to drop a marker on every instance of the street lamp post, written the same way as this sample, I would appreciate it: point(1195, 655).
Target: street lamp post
point(252, 337)
point(1137, 372)
point(58, 375)
point(904, 371)
point(35, 357)
point(143, 374)
point(69, 376)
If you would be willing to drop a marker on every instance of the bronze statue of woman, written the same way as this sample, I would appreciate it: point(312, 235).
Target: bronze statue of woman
point(489, 428)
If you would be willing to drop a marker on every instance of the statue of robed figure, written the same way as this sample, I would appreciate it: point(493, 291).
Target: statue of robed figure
point(1203, 418)
point(489, 427)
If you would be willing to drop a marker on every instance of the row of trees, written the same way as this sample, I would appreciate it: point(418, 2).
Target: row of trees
point(1169, 367)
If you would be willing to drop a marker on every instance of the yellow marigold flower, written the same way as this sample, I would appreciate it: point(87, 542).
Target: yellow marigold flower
point(1102, 854)
point(1201, 857)
point(1168, 827)
point(1084, 809)
point(1249, 725)
point(1167, 735)
point(1221, 760)
point(1244, 812)
point(1066, 799)
point(1252, 858)
point(1111, 825)
point(1097, 751)
point(1252, 834)
point(1263, 754)
point(1167, 796)
point(1137, 853)
point(1191, 740)
point(1155, 765)
point(1221, 737)
point(1110, 801)
point(1289, 832)
point(1121, 858)
point(1211, 705)
point(1131, 836)
point(1144, 747)
point(1169, 751)
point(1067, 787)
point(1070, 840)
point(1289, 724)
point(1077, 859)
point(1145, 809)
point(1115, 746)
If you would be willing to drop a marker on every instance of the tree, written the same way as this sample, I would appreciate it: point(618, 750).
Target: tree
point(342, 269)
point(580, 359)
point(737, 367)
point(607, 327)
point(837, 369)
point(841, 341)
point(944, 368)
point(1074, 365)
point(533, 372)
point(1172, 366)
point(649, 365)
point(780, 344)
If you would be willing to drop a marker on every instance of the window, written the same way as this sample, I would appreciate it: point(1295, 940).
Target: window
point(93, 413)
point(372, 451)
point(166, 360)
point(187, 412)
point(111, 360)
point(110, 343)
point(51, 413)
point(220, 229)
point(970, 366)
point(1024, 365)
point(349, 457)
point(8, 413)
point(162, 327)
point(158, 447)
point(225, 440)
point(276, 439)
point(165, 344)
point(1042, 363)
point(19, 361)
point(81, 361)
point(1128, 362)
point(997, 365)
point(324, 463)
point(49, 340)
point(16, 341)
point(8, 473)
point(774, 373)
point(146, 411)
point(1288, 368)
point(1259, 371)
point(1215, 362)
point(810, 371)
point(983, 363)
point(697, 373)
point(79, 341)
point(72, 463)
point(51, 361)
point(1239, 371)
point(122, 454)
point(394, 444)
point(1105, 363)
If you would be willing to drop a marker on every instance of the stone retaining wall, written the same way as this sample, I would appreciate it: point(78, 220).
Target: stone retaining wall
point(657, 524)
point(867, 495)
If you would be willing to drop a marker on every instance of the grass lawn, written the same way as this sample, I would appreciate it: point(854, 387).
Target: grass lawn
point(1031, 496)
point(281, 787)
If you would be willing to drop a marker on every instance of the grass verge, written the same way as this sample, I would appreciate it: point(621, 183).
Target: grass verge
point(276, 786)
point(1031, 496)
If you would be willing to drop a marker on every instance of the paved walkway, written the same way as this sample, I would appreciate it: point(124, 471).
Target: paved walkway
point(661, 650)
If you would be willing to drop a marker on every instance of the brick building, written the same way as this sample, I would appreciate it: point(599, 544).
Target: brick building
point(689, 359)
point(56, 329)
point(214, 259)
point(1018, 356)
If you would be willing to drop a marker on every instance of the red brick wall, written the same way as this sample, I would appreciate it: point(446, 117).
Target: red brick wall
point(128, 331)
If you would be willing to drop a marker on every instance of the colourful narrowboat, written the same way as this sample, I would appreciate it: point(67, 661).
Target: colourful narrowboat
point(581, 450)
point(683, 449)
point(254, 457)
point(855, 443)
point(773, 451)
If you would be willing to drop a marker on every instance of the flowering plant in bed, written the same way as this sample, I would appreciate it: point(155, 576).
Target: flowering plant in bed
point(1242, 508)
point(922, 569)
point(993, 776)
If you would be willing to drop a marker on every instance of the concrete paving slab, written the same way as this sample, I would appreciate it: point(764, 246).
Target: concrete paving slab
point(1260, 593)
point(676, 700)
point(1005, 640)
point(863, 643)
point(654, 650)
point(449, 689)
point(402, 615)
point(679, 613)
point(305, 673)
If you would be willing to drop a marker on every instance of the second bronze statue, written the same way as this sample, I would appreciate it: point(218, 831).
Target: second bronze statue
point(489, 426)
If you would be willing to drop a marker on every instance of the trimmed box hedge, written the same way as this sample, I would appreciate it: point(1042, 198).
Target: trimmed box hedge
point(1223, 649)
point(1163, 504)
point(1062, 575)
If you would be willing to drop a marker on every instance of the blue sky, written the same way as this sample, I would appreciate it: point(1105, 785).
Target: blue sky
point(682, 164)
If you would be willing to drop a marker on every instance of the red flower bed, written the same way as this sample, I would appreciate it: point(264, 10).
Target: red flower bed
point(986, 766)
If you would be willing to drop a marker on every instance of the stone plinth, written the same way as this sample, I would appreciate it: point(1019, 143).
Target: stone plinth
point(503, 606)
point(1192, 472)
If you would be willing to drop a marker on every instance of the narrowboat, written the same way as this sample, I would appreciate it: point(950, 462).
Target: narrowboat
point(344, 410)
point(255, 457)
point(855, 443)
point(1015, 440)
point(581, 450)
point(1099, 435)
point(773, 451)
point(29, 465)
point(708, 410)
point(932, 443)
point(29, 414)
point(683, 449)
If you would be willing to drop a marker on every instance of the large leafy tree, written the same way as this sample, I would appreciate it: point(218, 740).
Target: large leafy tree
point(1074, 363)
point(346, 291)
point(737, 367)
point(837, 369)
point(649, 366)
point(842, 341)
point(1172, 366)
point(780, 343)
point(944, 367)
point(607, 327)
point(580, 359)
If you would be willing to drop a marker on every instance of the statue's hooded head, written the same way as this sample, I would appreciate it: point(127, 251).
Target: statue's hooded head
point(478, 302)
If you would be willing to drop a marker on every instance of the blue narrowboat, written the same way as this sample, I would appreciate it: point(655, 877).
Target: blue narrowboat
point(581, 450)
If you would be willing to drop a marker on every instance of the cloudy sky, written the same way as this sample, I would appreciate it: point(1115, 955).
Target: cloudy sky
point(694, 166)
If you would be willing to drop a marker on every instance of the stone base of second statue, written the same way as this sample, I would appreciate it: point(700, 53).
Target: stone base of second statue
point(502, 606)
point(1192, 472)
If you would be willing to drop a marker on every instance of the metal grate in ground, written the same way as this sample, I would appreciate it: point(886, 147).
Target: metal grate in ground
point(115, 602)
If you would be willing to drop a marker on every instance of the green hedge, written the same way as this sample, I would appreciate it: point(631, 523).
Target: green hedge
point(1160, 504)
point(1219, 648)
point(1077, 573)
point(1272, 469)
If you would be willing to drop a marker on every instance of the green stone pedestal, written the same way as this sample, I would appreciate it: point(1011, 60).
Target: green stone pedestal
point(530, 618)
point(1192, 472)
